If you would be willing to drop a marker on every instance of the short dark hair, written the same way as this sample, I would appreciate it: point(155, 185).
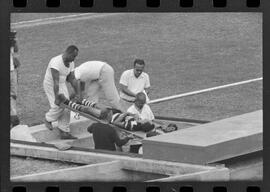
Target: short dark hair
point(140, 95)
point(139, 61)
point(70, 49)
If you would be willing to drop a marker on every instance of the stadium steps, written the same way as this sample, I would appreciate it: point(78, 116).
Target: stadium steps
point(85, 140)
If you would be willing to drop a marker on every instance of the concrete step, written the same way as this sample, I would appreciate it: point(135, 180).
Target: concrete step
point(77, 126)
point(43, 134)
point(209, 142)
point(85, 140)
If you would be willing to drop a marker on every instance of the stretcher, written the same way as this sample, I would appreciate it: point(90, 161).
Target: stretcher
point(137, 135)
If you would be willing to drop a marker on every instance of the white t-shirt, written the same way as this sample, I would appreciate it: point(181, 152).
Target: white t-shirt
point(144, 114)
point(89, 71)
point(58, 64)
point(134, 84)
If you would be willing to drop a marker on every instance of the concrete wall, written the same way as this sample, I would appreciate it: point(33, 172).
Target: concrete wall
point(114, 167)
point(209, 142)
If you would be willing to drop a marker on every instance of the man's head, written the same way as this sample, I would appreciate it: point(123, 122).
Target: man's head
point(138, 67)
point(140, 100)
point(70, 53)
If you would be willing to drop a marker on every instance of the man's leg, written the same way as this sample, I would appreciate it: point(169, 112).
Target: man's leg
point(64, 118)
point(63, 121)
point(57, 113)
point(92, 91)
point(53, 115)
point(14, 120)
point(108, 85)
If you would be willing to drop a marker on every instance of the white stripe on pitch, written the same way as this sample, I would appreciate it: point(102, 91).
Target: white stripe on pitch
point(60, 19)
point(51, 18)
point(202, 91)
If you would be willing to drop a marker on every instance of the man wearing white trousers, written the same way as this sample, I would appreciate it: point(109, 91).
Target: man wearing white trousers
point(94, 76)
point(57, 74)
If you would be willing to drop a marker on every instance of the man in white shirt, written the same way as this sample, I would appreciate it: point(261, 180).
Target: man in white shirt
point(14, 64)
point(144, 114)
point(57, 74)
point(140, 109)
point(95, 76)
point(134, 81)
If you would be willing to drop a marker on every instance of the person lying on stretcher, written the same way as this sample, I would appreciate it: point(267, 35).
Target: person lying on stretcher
point(123, 120)
point(127, 120)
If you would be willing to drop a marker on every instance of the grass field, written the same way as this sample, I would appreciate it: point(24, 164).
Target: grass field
point(183, 52)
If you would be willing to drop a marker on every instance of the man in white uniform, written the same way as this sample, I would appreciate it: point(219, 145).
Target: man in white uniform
point(134, 81)
point(94, 76)
point(140, 109)
point(144, 114)
point(57, 73)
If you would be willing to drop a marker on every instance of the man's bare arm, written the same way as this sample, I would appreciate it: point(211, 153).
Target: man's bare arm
point(55, 76)
point(76, 84)
point(125, 90)
point(147, 90)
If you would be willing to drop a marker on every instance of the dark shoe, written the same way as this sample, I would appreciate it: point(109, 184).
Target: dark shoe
point(48, 124)
point(170, 128)
point(66, 135)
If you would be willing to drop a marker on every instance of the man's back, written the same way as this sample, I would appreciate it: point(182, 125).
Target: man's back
point(103, 135)
point(89, 71)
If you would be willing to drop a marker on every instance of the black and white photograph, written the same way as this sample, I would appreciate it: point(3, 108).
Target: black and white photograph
point(136, 97)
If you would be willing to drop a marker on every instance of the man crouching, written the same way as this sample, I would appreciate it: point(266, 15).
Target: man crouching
point(105, 136)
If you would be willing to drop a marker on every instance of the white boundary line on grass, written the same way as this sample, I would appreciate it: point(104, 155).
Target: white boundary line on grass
point(52, 18)
point(60, 19)
point(202, 91)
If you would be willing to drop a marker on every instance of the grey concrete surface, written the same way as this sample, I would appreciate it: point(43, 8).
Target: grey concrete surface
point(210, 142)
